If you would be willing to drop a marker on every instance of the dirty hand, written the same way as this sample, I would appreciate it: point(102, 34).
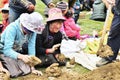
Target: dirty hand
point(5, 70)
point(25, 58)
point(51, 5)
point(52, 50)
point(55, 47)
point(31, 8)
point(37, 72)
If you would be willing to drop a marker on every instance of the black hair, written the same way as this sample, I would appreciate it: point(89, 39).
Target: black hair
point(5, 11)
point(54, 21)
point(69, 14)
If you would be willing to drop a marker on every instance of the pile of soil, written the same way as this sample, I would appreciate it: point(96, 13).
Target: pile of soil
point(105, 51)
point(108, 72)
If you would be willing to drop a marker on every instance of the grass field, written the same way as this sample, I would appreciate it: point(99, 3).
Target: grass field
point(87, 27)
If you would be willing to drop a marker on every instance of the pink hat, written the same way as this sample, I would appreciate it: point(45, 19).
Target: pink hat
point(55, 14)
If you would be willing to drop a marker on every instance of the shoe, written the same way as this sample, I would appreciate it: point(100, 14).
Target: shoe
point(102, 62)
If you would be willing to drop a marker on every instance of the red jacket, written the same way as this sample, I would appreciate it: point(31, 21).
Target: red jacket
point(5, 23)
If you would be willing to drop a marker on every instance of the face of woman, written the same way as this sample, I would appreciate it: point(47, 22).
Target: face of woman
point(55, 26)
point(5, 16)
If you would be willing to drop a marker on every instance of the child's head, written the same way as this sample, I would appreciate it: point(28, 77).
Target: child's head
point(68, 14)
point(55, 19)
point(63, 6)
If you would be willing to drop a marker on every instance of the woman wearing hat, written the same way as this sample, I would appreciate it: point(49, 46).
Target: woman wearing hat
point(48, 43)
point(5, 14)
point(23, 30)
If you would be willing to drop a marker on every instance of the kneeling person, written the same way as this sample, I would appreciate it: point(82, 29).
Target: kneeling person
point(48, 43)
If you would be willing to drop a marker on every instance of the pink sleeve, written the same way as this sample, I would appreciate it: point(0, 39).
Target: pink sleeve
point(73, 25)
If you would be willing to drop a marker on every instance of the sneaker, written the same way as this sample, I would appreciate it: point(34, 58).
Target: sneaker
point(102, 62)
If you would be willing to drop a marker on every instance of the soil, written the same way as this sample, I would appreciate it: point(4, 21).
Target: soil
point(105, 51)
point(110, 71)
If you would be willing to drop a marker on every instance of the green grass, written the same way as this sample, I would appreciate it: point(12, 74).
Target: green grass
point(88, 25)
point(40, 6)
point(80, 69)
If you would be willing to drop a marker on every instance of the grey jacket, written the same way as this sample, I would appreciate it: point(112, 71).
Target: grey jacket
point(21, 6)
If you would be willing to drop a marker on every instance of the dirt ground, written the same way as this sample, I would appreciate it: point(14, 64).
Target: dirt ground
point(108, 72)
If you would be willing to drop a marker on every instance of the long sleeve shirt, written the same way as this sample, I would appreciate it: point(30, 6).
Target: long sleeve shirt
point(46, 40)
point(13, 39)
point(22, 5)
point(71, 29)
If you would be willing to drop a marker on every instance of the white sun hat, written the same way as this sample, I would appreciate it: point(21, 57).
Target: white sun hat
point(5, 7)
point(32, 22)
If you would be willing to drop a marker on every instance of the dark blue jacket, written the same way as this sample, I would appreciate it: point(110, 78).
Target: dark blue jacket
point(116, 8)
point(22, 5)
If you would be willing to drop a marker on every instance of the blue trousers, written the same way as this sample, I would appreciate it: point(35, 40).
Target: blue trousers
point(114, 36)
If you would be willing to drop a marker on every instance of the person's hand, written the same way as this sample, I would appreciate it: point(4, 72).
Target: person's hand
point(5, 71)
point(51, 5)
point(55, 47)
point(37, 72)
point(31, 8)
point(112, 2)
point(25, 58)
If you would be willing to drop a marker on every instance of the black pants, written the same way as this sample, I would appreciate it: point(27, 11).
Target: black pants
point(49, 59)
point(114, 37)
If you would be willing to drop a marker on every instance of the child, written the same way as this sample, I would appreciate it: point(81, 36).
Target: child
point(69, 26)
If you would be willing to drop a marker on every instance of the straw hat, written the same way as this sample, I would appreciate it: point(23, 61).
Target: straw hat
point(55, 14)
point(32, 22)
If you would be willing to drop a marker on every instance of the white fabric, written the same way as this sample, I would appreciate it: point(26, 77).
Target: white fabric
point(69, 46)
point(72, 49)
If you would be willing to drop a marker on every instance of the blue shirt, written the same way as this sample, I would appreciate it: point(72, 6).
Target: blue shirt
point(13, 39)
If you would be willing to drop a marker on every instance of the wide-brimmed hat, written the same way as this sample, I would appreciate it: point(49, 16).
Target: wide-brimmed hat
point(55, 14)
point(62, 5)
point(32, 22)
point(5, 7)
